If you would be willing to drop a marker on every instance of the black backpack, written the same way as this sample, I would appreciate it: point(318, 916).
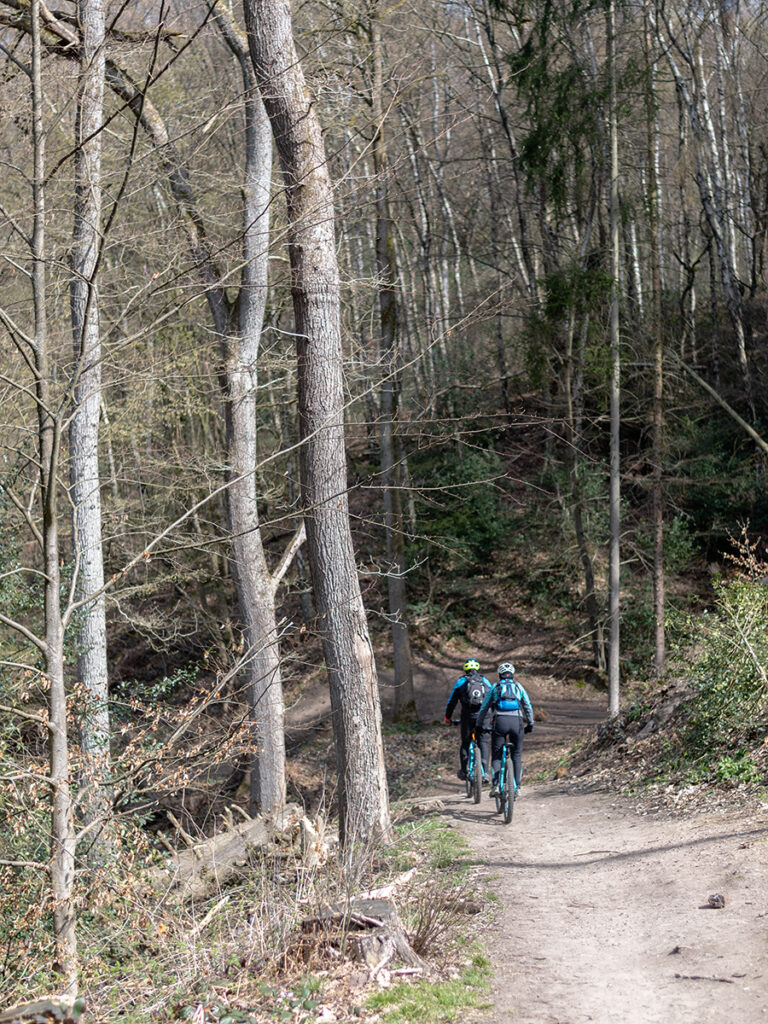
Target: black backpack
point(476, 689)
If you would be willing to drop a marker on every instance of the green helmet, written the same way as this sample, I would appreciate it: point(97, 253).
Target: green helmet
point(473, 663)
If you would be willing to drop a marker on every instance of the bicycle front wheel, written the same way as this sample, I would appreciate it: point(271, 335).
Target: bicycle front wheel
point(508, 793)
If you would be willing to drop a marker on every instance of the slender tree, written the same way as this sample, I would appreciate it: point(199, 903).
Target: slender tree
point(85, 490)
point(614, 581)
point(658, 356)
point(364, 807)
point(405, 704)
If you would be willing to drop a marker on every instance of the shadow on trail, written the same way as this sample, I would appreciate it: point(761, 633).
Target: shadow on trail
point(627, 855)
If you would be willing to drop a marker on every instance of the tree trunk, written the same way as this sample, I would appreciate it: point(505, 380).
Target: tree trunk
point(658, 363)
point(63, 841)
point(614, 570)
point(573, 460)
point(363, 801)
point(405, 702)
point(84, 433)
point(255, 589)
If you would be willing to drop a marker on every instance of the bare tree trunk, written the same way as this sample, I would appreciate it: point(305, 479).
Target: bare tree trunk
point(63, 842)
point(255, 589)
point(658, 361)
point(405, 702)
point(363, 800)
point(84, 432)
point(615, 386)
point(573, 460)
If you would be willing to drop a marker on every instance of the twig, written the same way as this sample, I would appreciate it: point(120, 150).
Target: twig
point(241, 810)
point(211, 913)
point(191, 843)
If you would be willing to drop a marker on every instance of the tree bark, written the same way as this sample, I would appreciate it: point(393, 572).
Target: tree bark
point(659, 657)
point(84, 433)
point(363, 800)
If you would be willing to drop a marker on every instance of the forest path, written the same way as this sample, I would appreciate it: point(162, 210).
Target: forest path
point(603, 912)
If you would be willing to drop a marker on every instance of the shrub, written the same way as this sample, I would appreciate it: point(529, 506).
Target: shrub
point(730, 670)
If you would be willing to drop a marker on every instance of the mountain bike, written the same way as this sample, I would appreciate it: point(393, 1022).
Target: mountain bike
point(507, 788)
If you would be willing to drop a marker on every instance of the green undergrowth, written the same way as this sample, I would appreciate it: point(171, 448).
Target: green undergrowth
point(705, 723)
point(430, 1003)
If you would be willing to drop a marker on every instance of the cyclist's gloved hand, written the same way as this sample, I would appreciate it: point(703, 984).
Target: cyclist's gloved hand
point(446, 720)
point(528, 728)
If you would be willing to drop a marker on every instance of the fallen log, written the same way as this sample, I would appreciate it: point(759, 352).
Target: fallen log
point(203, 868)
point(45, 1011)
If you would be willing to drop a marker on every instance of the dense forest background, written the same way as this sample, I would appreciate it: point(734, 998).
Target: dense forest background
point(550, 232)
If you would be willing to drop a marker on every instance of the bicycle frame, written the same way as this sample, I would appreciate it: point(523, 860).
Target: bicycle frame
point(502, 804)
point(474, 772)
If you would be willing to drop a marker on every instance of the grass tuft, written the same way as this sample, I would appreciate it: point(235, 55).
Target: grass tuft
point(430, 1003)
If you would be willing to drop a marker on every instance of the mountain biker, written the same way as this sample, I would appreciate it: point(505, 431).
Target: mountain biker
point(470, 689)
point(513, 715)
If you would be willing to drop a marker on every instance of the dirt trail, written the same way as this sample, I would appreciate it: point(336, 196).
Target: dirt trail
point(603, 912)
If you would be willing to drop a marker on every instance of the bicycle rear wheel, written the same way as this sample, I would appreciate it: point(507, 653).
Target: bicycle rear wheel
point(500, 783)
point(508, 794)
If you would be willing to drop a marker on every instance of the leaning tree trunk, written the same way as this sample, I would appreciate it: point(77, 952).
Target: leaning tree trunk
point(253, 582)
point(84, 433)
point(363, 801)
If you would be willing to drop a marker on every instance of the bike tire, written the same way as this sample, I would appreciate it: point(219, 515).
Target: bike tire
point(477, 776)
point(508, 796)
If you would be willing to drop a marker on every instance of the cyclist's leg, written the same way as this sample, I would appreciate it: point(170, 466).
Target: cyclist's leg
point(466, 736)
point(497, 742)
point(484, 742)
point(516, 746)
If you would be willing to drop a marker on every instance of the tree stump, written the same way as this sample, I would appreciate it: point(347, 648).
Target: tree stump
point(369, 930)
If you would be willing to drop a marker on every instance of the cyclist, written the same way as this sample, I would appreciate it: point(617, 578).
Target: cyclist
point(513, 715)
point(471, 690)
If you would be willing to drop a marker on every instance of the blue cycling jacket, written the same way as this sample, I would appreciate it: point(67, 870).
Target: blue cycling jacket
point(492, 700)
